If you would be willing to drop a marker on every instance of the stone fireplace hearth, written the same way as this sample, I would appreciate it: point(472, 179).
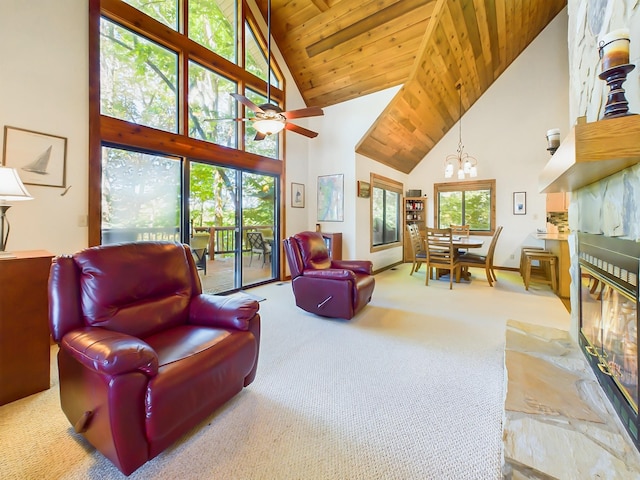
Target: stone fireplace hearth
point(558, 422)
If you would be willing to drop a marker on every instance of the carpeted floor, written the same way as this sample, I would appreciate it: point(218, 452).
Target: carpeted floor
point(412, 388)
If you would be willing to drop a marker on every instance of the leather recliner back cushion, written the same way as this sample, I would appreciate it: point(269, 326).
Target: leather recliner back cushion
point(314, 251)
point(139, 288)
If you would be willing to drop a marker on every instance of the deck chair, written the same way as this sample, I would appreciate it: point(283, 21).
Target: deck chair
point(258, 245)
point(199, 249)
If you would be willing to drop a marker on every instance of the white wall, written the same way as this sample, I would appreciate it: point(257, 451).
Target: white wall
point(505, 131)
point(333, 152)
point(44, 86)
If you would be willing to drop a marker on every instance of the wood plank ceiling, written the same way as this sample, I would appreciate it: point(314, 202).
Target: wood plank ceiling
point(338, 50)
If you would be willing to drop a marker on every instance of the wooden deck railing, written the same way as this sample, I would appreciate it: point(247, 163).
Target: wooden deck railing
point(221, 241)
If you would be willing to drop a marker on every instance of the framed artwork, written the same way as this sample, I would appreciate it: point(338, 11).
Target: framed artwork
point(38, 157)
point(519, 203)
point(331, 198)
point(297, 195)
point(364, 189)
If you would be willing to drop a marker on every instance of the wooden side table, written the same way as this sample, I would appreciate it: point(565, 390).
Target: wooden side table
point(24, 328)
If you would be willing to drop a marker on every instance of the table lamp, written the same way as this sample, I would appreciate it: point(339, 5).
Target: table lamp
point(11, 190)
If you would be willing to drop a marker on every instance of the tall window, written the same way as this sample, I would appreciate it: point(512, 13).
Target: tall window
point(164, 93)
point(385, 212)
point(462, 203)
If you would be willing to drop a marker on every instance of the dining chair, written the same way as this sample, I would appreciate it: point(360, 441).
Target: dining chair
point(460, 231)
point(482, 261)
point(417, 247)
point(257, 244)
point(441, 254)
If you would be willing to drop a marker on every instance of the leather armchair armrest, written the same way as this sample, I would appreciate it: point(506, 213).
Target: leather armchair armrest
point(359, 266)
point(109, 352)
point(222, 311)
point(330, 274)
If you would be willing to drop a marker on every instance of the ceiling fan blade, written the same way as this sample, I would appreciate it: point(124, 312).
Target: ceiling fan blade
point(260, 136)
point(226, 119)
point(300, 130)
point(303, 112)
point(247, 103)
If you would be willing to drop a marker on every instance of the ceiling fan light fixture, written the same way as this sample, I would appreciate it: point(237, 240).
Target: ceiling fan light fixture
point(268, 126)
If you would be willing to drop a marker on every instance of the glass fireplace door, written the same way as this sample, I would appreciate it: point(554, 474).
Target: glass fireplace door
point(609, 324)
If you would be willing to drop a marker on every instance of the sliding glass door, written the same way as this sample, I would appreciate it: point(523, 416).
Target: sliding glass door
point(237, 210)
point(231, 216)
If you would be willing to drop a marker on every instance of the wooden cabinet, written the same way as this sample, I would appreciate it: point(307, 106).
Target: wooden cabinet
point(24, 328)
point(334, 244)
point(558, 202)
point(415, 211)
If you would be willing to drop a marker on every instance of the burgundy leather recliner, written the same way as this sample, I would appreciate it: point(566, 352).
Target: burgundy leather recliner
point(144, 355)
point(330, 288)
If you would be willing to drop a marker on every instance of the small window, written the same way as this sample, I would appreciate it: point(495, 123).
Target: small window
point(164, 11)
point(212, 25)
point(212, 110)
point(462, 203)
point(386, 195)
point(138, 79)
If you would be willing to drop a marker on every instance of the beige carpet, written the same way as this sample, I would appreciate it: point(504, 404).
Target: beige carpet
point(412, 388)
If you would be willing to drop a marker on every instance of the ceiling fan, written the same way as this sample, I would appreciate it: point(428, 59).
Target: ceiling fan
point(270, 118)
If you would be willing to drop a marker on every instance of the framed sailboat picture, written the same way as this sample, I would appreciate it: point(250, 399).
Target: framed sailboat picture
point(39, 158)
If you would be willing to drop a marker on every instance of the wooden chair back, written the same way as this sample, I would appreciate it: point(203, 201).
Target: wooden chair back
point(460, 230)
point(418, 252)
point(441, 254)
point(483, 261)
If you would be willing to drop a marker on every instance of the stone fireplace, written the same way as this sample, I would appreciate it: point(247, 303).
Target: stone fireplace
point(608, 316)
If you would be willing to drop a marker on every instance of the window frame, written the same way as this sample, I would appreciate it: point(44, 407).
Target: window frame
point(466, 187)
point(113, 132)
point(387, 184)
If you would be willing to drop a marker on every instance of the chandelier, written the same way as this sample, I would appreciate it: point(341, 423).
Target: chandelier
point(463, 163)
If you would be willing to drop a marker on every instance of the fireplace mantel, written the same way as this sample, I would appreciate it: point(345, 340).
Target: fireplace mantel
point(591, 152)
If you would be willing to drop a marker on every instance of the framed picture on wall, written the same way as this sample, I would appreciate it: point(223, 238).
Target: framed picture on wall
point(519, 203)
point(331, 198)
point(297, 195)
point(38, 157)
point(364, 189)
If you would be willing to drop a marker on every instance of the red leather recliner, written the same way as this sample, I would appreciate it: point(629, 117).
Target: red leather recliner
point(144, 355)
point(330, 288)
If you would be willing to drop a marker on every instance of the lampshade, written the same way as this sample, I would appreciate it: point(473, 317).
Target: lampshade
point(268, 126)
point(11, 187)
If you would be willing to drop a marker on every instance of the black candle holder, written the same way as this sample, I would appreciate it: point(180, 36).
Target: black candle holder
point(617, 105)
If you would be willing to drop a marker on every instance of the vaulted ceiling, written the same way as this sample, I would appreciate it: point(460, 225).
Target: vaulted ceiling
point(338, 50)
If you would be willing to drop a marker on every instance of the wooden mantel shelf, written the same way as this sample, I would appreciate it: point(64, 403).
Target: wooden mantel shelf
point(591, 152)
